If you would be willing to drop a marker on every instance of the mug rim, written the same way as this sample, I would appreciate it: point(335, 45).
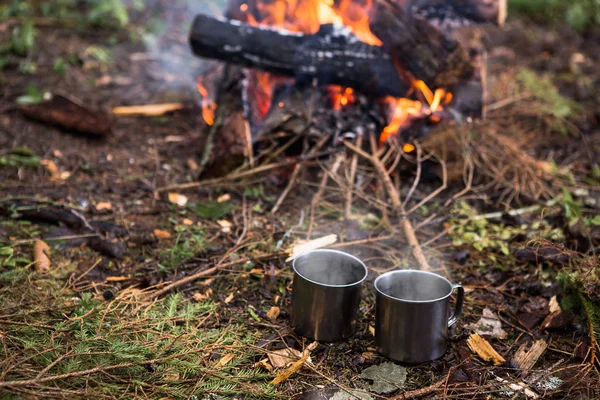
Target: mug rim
point(403, 271)
point(339, 253)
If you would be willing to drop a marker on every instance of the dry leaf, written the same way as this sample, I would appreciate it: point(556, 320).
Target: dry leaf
point(171, 376)
point(264, 363)
point(40, 256)
point(159, 233)
point(311, 245)
point(224, 360)
point(489, 324)
point(178, 199)
point(200, 296)
point(104, 205)
point(192, 164)
point(257, 271)
point(273, 313)
point(484, 349)
point(229, 298)
point(225, 225)
point(55, 174)
point(283, 357)
point(283, 376)
point(187, 221)
point(372, 330)
point(174, 139)
point(224, 197)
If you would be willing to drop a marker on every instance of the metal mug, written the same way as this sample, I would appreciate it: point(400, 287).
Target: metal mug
point(326, 293)
point(411, 317)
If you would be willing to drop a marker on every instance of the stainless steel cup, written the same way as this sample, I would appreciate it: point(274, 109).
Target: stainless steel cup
point(411, 317)
point(326, 294)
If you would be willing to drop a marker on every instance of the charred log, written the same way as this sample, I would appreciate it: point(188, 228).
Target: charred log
point(428, 54)
point(447, 15)
point(333, 55)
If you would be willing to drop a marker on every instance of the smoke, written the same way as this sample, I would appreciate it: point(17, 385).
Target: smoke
point(167, 23)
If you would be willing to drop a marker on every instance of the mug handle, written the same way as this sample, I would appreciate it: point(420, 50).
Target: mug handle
point(459, 304)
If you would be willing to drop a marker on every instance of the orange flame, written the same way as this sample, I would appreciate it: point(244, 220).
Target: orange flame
point(208, 106)
point(307, 16)
point(406, 110)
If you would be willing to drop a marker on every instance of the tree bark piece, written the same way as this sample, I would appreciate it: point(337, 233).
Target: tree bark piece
point(526, 358)
point(333, 55)
point(69, 115)
point(417, 47)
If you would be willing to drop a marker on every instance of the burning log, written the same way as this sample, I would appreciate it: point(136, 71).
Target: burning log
point(335, 55)
point(332, 55)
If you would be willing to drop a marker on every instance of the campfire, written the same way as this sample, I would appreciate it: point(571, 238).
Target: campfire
point(375, 66)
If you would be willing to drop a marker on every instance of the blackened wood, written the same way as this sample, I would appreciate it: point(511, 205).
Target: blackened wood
point(332, 55)
point(417, 47)
point(447, 15)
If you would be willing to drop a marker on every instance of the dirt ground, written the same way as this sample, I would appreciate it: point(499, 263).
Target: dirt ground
point(100, 323)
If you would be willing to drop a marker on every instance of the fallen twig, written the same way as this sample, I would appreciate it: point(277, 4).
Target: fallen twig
point(413, 394)
point(243, 174)
point(148, 110)
point(394, 196)
point(207, 272)
point(353, 165)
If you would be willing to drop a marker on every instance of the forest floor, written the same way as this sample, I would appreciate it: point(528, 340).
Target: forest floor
point(522, 240)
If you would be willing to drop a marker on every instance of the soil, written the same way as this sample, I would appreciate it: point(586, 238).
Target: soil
point(140, 241)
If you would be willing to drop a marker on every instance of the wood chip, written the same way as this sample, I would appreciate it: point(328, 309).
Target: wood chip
point(104, 205)
point(311, 245)
point(224, 360)
point(273, 313)
point(224, 197)
point(40, 256)
point(178, 199)
point(283, 376)
point(526, 359)
point(484, 349)
point(553, 305)
point(159, 233)
point(149, 110)
point(225, 225)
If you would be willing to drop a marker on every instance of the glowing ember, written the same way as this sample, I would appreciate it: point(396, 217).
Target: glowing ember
point(341, 97)
point(208, 106)
point(408, 148)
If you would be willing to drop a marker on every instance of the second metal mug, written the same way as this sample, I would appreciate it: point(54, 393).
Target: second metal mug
point(326, 294)
point(411, 317)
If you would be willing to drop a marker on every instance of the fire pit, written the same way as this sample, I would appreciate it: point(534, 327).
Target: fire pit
point(297, 69)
